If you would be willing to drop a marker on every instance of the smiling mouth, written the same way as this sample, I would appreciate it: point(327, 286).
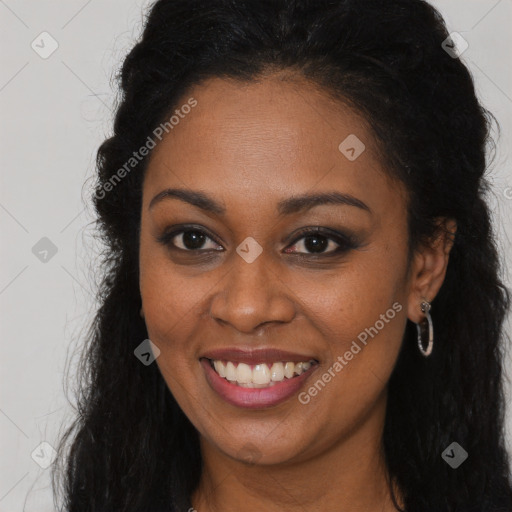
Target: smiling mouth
point(261, 375)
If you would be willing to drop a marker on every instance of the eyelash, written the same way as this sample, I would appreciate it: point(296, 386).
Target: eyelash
point(345, 242)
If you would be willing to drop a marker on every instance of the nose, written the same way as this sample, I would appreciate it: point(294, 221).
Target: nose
point(251, 295)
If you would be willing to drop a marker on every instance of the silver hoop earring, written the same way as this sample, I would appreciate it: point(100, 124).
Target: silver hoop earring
point(422, 330)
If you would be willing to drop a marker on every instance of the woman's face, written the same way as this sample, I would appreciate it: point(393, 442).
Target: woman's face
point(238, 281)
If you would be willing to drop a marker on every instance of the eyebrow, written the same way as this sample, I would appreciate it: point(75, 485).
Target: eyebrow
point(287, 206)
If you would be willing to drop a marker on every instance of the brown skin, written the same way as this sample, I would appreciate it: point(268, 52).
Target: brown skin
point(250, 146)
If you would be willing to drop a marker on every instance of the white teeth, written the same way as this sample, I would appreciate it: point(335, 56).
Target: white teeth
point(220, 368)
point(276, 372)
point(288, 370)
point(260, 376)
point(243, 373)
point(230, 371)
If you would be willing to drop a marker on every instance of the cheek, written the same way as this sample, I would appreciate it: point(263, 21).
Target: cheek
point(170, 303)
point(362, 324)
point(170, 311)
point(169, 295)
point(166, 303)
point(360, 311)
point(343, 304)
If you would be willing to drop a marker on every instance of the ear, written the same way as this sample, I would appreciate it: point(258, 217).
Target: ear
point(428, 268)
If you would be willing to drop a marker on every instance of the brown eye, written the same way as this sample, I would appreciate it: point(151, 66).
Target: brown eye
point(187, 240)
point(317, 240)
point(314, 243)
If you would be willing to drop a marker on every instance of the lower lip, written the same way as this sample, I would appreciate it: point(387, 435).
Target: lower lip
point(254, 398)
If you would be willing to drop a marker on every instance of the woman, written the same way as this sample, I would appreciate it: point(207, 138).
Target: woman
point(301, 306)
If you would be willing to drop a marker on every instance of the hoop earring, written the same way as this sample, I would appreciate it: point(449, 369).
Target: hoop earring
point(422, 328)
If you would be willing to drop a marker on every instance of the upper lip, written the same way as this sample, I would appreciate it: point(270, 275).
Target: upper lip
point(255, 356)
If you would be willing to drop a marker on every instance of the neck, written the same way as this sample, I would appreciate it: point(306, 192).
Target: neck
point(349, 476)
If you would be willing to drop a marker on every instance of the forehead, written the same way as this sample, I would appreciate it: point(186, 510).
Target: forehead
point(255, 143)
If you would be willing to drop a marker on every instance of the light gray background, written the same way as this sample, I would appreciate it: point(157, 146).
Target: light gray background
point(55, 113)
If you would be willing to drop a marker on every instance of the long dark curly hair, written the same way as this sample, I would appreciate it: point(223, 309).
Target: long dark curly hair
point(131, 448)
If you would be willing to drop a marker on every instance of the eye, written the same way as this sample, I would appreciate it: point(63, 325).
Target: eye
point(317, 240)
point(190, 240)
